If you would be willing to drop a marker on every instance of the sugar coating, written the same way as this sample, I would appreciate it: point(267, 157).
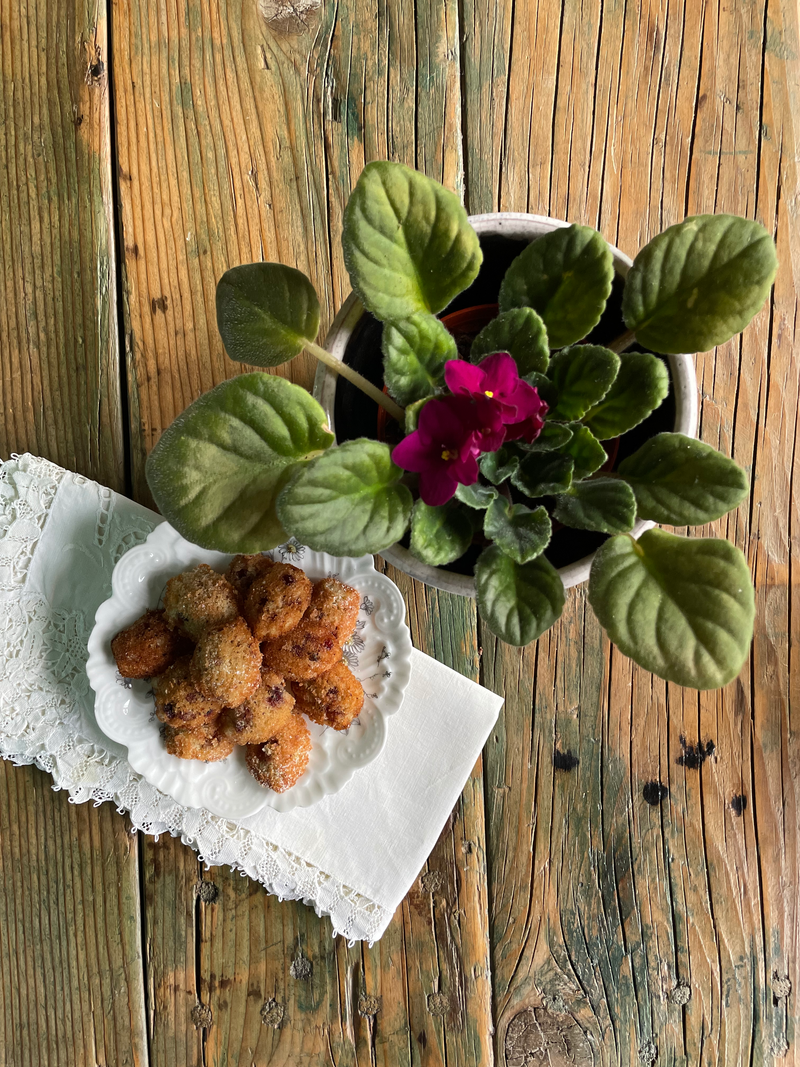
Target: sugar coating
point(276, 601)
point(199, 599)
point(178, 700)
point(227, 663)
point(306, 652)
point(333, 699)
point(203, 742)
point(147, 647)
point(244, 570)
point(262, 715)
point(336, 606)
point(281, 761)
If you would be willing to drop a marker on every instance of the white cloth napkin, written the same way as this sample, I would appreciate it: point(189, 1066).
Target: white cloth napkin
point(353, 856)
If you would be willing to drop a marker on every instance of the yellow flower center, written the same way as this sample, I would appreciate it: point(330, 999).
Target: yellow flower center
point(448, 455)
point(488, 393)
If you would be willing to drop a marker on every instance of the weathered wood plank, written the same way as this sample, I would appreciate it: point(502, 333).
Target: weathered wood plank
point(70, 943)
point(651, 929)
point(268, 128)
point(70, 946)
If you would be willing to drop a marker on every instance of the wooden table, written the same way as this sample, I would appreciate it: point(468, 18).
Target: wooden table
point(561, 919)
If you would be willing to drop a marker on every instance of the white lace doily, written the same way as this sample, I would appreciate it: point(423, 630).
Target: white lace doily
point(49, 599)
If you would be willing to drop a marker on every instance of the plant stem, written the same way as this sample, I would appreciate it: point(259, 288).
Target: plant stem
point(358, 380)
point(625, 340)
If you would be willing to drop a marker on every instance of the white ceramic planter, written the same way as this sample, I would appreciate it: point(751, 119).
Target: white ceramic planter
point(515, 226)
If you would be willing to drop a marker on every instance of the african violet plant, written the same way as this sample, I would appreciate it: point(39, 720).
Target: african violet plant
point(504, 443)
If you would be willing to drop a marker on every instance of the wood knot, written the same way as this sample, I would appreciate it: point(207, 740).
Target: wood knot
point(654, 792)
point(693, 756)
point(565, 761)
point(738, 804)
point(648, 1053)
point(781, 985)
point(368, 1006)
point(681, 994)
point(431, 881)
point(201, 1016)
point(289, 17)
point(437, 1004)
point(539, 1035)
point(302, 967)
point(272, 1013)
point(207, 892)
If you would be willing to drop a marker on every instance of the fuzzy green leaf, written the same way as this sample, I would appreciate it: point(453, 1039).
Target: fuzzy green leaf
point(544, 387)
point(408, 245)
point(640, 387)
point(476, 496)
point(544, 474)
point(680, 607)
point(217, 470)
point(521, 533)
point(699, 283)
point(604, 504)
point(683, 482)
point(518, 602)
point(522, 334)
point(554, 436)
point(412, 414)
point(586, 451)
point(348, 501)
point(441, 534)
point(266, 313)
point(582, 375)
point(499, 465)
point(566, 276)
point(415, 351)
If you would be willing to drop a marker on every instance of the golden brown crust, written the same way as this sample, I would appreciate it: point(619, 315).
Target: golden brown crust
point(276, 601)
point(204, 742)
point(308, 651)
point(147, 647)
point(334, 699)
point(262, 715)
point(335, 605)
point(179, 702)
point(226, 664)
point(281, 761)
point(244, 570)
point(198, 600)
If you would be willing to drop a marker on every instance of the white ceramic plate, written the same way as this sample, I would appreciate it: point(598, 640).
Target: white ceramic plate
point(379, 655)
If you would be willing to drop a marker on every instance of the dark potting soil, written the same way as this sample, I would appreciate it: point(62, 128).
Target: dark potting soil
point(355, 415)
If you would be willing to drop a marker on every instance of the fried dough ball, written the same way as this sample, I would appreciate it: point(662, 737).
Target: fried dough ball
point(199, 599)
point(308, 651)
point(179, 701)
point(262, 715)
point(334, 699)
point(279, 762)
point(227, 663)
point(244, 570)
point(204, 742)
point(336, 606)
point(147, 647)
point(276, 601)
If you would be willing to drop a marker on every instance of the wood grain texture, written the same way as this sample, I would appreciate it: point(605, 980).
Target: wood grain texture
point(650, 931)
point(70, 945)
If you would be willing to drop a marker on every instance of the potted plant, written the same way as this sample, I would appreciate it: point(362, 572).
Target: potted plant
point(498, 442)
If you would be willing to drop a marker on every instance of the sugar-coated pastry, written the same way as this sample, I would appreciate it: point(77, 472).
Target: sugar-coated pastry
point(204, 742)
point(148, 646)
point(179, 701)
point(335, 605)
point(199, 599)
point(244, 570)
point(333, 699)
point(276, 601)
point(281, 761)
point(307, 651)
point(262, 715)
point(227, 663)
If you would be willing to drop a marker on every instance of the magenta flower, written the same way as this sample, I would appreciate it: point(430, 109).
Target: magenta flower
point(443, 448)
point(508, 408)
